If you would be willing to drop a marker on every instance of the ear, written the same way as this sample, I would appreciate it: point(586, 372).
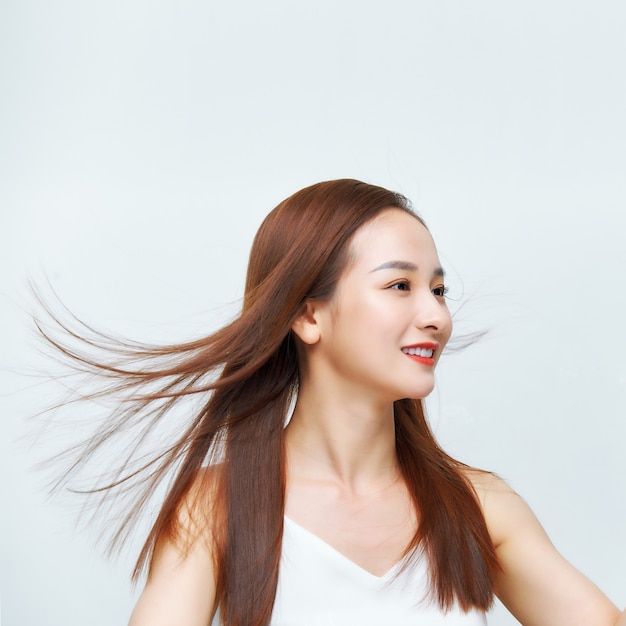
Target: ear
point(306, 325)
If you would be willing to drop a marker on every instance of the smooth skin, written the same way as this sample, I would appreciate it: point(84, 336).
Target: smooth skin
point(343, 482)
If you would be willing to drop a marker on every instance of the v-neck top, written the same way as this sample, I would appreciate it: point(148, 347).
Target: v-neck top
point(319, 586)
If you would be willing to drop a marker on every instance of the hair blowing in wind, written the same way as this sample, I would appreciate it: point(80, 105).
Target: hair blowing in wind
point(226, 464)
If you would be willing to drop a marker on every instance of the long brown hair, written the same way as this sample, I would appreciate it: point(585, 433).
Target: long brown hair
point(248, 374)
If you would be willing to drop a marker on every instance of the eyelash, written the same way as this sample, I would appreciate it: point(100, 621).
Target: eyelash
point(441, 289)
point(400, 283)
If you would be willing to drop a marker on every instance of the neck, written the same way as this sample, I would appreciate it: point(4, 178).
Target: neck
point(342, 437)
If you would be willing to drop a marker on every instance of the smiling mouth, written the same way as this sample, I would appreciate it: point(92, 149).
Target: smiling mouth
point(426, 353)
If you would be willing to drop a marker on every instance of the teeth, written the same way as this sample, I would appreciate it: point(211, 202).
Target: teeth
point(427, 353)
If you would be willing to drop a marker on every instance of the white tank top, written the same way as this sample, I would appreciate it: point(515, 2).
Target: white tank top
point(318, 586)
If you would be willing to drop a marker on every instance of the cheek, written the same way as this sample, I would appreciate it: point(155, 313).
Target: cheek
point(372, 317)
point(360, 325)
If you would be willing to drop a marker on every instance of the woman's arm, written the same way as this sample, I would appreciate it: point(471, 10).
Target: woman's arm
point(181, 584)
point(537, 584)
point(180, 588)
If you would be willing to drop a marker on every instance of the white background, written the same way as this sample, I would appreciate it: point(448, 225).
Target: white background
point(142, 142)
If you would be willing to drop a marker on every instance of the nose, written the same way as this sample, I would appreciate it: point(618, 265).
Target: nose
point(432, 313)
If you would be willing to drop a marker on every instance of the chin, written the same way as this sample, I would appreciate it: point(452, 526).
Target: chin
point(420, 393)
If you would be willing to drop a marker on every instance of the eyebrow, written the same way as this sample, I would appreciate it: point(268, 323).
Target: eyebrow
point(407, 266)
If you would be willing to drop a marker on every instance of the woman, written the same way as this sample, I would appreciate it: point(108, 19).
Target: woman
point(351, 513)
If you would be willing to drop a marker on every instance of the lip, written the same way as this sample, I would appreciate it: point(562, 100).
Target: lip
point(427, 345)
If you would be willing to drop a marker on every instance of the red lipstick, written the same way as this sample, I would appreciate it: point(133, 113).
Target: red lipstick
point(421, 352)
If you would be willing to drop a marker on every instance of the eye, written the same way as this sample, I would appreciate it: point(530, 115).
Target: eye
point(401, 285)
point(440, 291)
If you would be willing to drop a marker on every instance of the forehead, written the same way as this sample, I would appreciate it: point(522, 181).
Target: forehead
point(393, 235)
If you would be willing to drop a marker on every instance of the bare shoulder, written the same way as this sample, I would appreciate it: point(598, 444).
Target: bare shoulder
point(535, 582)
point(181, 583)
point(504, 509)
point(198, 508)
point(487, 483)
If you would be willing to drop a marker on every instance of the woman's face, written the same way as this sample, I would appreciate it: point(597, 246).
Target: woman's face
point(383, 330)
